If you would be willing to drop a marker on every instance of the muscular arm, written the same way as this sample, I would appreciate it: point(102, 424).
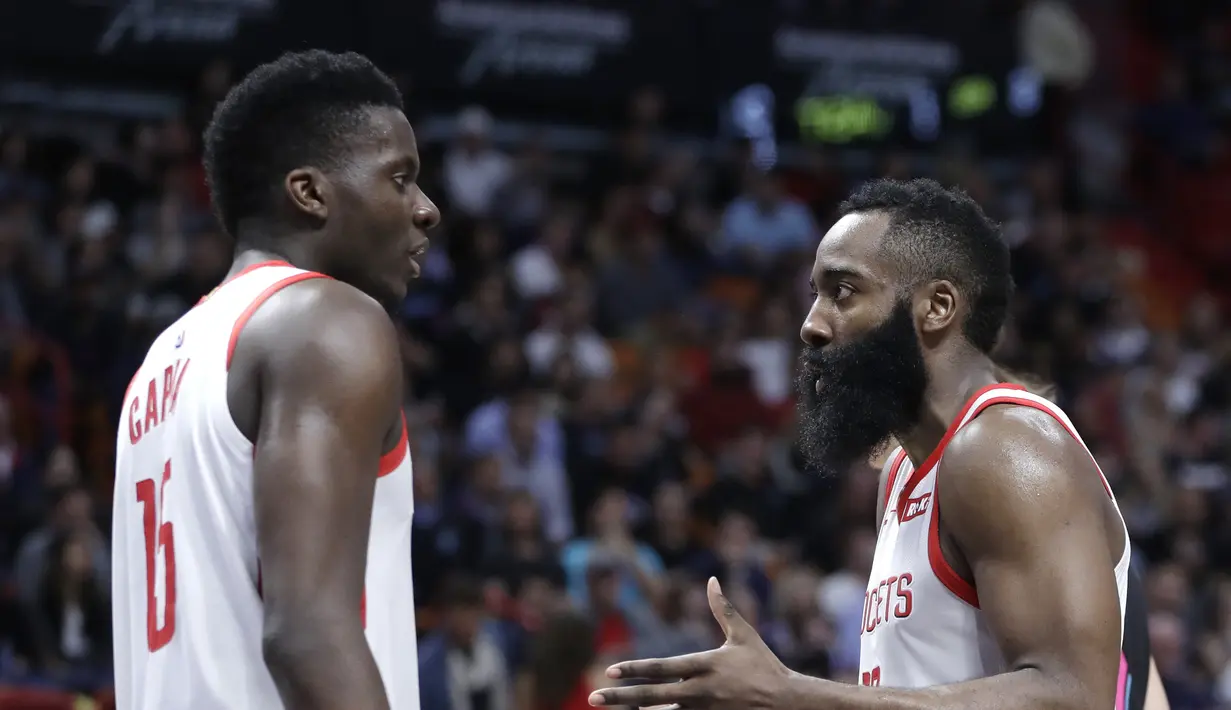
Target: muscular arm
point(330, 386)
point(1021, 499)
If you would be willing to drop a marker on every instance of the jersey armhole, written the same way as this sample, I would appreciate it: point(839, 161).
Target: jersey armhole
point(892, 479)
point(260, 299)
point(395, 456)
point(949, 577)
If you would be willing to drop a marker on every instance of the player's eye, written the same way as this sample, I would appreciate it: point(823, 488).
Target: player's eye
point(841, 291)
point(401, 180)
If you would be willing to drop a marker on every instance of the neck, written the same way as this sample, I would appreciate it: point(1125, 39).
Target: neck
point(950, 387)
point(257, 243)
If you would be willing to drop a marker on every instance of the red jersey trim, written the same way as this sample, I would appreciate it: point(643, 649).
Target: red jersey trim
point(894, 470)
point(949, 577)
point(246, 270)
point(934, 457)
point(395, 456)
point(261, 298)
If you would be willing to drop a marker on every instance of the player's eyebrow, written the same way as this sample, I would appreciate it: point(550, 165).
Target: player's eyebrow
point(837, 273)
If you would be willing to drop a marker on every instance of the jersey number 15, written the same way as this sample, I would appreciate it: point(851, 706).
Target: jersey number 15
point(159, 536)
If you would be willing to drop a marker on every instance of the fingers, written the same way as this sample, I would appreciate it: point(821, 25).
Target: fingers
point(662, 669)
point(643, 696)
point(733, 625)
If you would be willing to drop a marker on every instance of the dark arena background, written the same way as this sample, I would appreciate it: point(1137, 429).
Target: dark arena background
point(601, 349)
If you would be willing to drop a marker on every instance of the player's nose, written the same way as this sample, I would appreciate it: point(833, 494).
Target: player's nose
point(815, 332)
point(425, 213)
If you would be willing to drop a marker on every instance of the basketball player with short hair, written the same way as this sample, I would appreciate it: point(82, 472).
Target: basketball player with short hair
point(263, 495)
point(1002, 562)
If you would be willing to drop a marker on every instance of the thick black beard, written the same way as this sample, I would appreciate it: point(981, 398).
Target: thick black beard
point(871, 389)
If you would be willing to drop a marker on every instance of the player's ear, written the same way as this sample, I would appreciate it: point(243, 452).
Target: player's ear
point(937, 308)
point(308, 190)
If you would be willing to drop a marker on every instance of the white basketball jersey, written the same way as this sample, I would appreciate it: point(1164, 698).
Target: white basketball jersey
point(921, 622)
point(186, 580)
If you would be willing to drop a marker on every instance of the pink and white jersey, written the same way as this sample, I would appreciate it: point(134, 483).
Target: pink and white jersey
point(186, 581)
point(921, 622)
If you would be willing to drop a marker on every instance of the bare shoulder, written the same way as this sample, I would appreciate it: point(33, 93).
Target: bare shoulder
point(323, 342)
point(1014, 469)
point(321, 318)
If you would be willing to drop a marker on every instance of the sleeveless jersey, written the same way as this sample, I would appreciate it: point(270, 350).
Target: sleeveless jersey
point(186, 580)
point(921, 624)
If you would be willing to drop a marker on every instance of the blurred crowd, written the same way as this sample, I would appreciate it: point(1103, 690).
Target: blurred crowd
point(600, 355)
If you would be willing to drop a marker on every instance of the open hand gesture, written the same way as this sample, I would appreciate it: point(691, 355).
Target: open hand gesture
point(743, 674)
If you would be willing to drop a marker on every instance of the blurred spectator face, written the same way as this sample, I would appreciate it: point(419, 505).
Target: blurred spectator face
point(522, 515)
point(489, 296)
point(61, 468)
point(474, 126)
point(79, 179)
point(610, 513)
point(68, 221)
point(1202, 321)
point(671, 505)
point(75, 511)
point(603, 580)
point(176, 140)
point(487, 241)
point(625, 447)
point(1191, 507)
point(749, 456)
point(523, 421)
point(575, 312)
point(557, 235)
point(462, 622)
point(505, 362)
point(1168, 589)
point(736, 535)
point(485, 478)
point(538, 598)
point(795, 594)
point(1188, 550)
point(1167, 642)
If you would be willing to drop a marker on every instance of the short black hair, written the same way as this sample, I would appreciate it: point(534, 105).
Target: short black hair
point(292, 112)
point(939, 233)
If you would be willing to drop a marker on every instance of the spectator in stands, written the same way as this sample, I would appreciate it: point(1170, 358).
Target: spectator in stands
point(764, 224)
point(528, 440)
point(463, 665)
point(69, 628)
point(71, 515)
point(566, 332)
point(563, 667)
point(475, 172)
point(635, 566)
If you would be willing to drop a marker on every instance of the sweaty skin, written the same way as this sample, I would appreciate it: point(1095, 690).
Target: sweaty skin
point(316, 384)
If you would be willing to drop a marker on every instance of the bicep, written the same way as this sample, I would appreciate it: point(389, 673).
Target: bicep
point(1031, 530)
point(326, 407)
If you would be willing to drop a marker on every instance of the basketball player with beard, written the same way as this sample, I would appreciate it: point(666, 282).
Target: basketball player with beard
point(1001, 570)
